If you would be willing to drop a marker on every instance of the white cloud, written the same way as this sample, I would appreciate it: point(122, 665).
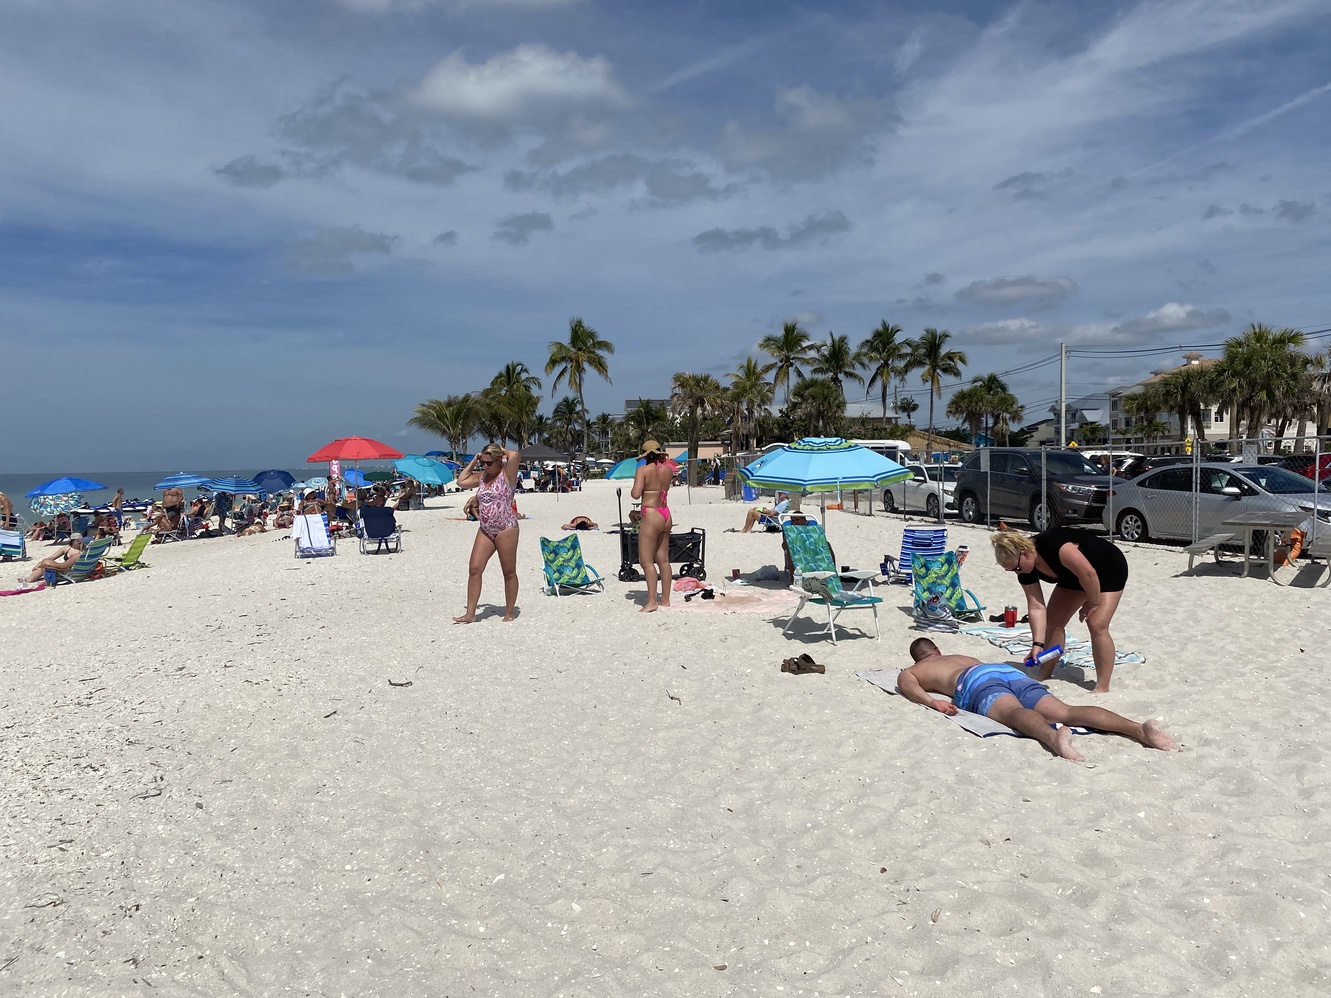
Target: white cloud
point(1009, 331)
point(517, 85)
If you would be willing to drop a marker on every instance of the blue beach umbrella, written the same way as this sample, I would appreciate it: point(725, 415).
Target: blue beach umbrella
point(275, 480)
point(624, 469)
point(317, 482)
point(823, 464)
point(355, 477)
point(180, 480)
point(425, 470)
point(434, 453)
point(64, 487)
point(53, 505)
point(233, 483)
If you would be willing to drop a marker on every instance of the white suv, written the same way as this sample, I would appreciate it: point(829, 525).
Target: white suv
point(924, 489)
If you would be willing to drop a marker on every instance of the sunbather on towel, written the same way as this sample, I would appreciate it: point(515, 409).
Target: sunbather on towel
point(62, 561)
point(1007, 695)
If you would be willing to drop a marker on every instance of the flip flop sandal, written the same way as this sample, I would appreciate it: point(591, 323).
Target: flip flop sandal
point(807, 664)
point(790, 665)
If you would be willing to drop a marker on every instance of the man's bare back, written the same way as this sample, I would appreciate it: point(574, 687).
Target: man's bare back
point(939, 674)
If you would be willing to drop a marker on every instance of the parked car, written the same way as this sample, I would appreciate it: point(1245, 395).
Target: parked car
point(923, 491)
point(1303, 464)
point(1140, 464)
point(1160, 504)
point(1012, 486)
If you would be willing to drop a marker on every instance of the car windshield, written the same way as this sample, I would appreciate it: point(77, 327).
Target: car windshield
point(1066, 463)
point(945, 472)
point(1276, 480)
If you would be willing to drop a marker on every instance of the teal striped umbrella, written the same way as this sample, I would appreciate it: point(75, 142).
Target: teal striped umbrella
point(823, 464)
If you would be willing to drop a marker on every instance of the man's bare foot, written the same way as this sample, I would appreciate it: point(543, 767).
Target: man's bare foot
point(1155, 736)
point(466, 618)
point(1063, 745)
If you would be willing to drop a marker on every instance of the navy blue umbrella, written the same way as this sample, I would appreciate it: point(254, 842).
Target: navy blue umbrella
point(233, 483)
point(63, 487)
point(275, 480)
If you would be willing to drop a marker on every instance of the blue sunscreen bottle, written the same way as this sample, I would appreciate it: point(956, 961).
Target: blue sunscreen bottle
point(1049, 654)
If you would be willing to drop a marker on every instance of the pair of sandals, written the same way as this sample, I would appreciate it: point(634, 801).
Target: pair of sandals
point(801, 665)
point(706, 592)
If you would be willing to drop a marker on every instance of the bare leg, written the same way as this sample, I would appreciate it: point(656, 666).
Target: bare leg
point(1102, 643)
point(1063, 603)
point(663, 562)
point(1008, 710)
point(1151, 733)
point(480, 555)
point(507, 546)
point(750, 518)
point(649, 529)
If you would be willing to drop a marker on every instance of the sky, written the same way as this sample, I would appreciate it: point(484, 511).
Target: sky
point(232, 231)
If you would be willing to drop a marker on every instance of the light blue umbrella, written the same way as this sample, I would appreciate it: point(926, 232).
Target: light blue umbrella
point(317, 482)
point(628, 467)
point(425, 470)
point(180, 480)
point(355, 477)
point(64, 487)
point(233, 483)
point(52, 505)
point(823, 464)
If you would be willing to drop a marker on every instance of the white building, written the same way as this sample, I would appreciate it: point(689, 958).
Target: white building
point(1215, 425)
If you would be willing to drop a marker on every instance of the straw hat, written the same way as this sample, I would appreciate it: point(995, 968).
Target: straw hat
point(651, 447)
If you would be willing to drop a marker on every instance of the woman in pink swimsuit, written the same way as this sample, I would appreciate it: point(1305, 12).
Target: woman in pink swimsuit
point(650, 484)
point(494, 472)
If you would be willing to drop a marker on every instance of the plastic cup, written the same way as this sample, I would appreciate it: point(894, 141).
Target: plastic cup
point(734, 574)
point(962, 552)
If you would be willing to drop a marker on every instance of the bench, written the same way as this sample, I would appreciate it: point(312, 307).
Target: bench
point(1211, 543)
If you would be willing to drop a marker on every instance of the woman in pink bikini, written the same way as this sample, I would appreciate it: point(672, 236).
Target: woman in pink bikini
point(650, 485)
point(494, 472)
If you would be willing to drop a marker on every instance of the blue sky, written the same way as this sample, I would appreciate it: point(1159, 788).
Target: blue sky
point(239, 229)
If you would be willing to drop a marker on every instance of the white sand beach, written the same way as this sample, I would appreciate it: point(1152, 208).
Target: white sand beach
point(213, 786)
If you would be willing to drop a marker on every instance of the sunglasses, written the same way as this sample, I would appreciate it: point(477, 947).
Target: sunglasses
point(487, 463)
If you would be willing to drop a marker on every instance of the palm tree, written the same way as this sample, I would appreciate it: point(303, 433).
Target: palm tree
point(601, 426)
point(929, 355)
point(971, 406)
point(645, 421)
point(1144, 408)
point(1005, 410)
point(1186, 392)
point(1258, 373)
point(565, 419)
point(454, 418)
point(512, 402)
point(788, 350)
point(817, 407)
point(750, 395)
point(836, 360)
point(694, 396)
point(906, 407)
point(584, 351)
point(540, 426)
point(884, 356)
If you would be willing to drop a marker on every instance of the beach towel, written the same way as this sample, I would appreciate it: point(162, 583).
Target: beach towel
point(19, 592)
point(741, 599)
point(1076, 652)
point(976, 724)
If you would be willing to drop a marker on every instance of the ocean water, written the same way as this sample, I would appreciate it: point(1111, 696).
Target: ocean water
point(139, 484)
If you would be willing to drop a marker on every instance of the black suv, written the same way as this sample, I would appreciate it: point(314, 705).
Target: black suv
point(997, 482)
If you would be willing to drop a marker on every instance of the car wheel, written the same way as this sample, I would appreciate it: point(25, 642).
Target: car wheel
point(889, 504)
point(1132, 525)
point(931, 507)
point(1042, 516)
point(970, 508)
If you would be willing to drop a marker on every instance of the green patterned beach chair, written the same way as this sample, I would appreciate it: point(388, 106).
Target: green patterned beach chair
point(132, 558)
point(565, 569)
point(937, 583)
point(92, 554)
point(821, 584)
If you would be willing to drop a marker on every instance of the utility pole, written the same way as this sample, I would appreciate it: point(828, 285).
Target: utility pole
point(1062, 395)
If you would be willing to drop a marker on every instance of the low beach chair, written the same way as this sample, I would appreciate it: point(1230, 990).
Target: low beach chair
point(565, 569)
point(379, 526)
point(937, 585)
point(13, 544)
point(928, 541)
point(132, 558)
point(82, 568)
point(821, 582)
point(313, 540)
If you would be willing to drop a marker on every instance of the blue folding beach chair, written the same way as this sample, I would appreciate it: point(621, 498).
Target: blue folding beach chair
point(378, 525)
point(928, 541)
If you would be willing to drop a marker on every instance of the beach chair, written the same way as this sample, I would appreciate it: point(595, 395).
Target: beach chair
point(82, 568)
point(131, 559)
point(378, 525)
point(313, 540)
point(565, 569)
point(821, 582)
point(928, 541)
point(13, 544)
point(939, 596)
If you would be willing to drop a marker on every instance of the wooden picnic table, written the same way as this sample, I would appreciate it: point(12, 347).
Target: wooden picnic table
point(1274, 521)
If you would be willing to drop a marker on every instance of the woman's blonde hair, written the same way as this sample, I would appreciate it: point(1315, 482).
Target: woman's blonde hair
point(1009, 545)
point(494, 450)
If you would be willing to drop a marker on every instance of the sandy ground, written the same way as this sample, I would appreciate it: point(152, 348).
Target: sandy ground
point(210, 787)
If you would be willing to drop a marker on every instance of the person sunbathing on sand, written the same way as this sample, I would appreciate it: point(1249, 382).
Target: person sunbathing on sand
point(62, 561)
point(1007, 695)
point(580, 523)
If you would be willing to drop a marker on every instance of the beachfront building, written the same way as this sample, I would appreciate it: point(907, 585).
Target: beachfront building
point(1126, 425)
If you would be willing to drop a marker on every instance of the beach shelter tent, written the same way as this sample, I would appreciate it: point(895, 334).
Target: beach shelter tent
point(379, 476)
point(425, 470)
point(540, 452)
point(823, 464)
point(353, 449)
point(63, 487)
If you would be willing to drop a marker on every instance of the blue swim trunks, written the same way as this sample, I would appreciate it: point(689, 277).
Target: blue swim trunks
point(980, 685)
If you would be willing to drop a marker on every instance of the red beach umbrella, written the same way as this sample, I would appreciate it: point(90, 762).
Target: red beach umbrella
point(354, 449)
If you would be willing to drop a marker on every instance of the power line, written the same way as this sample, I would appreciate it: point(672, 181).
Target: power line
point(1313, 334)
